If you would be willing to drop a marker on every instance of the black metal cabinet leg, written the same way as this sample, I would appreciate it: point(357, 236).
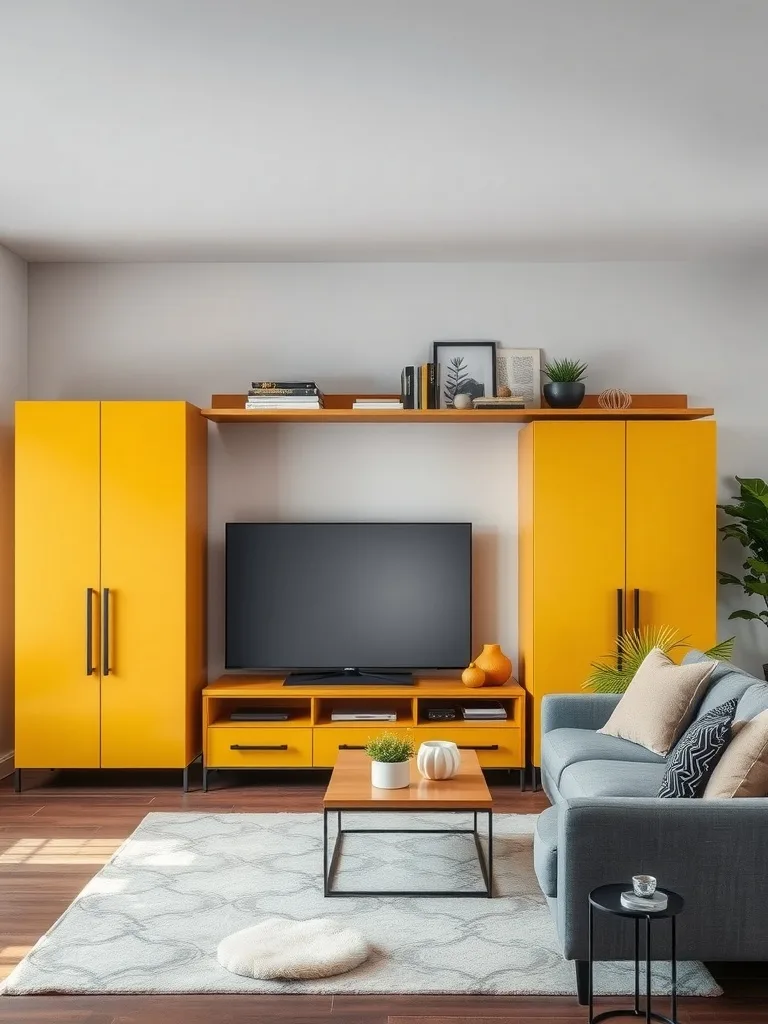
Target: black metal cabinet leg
point(582, 981)
point(205, 779)
point(522, 780)
point(17, 781)
point(185, 780)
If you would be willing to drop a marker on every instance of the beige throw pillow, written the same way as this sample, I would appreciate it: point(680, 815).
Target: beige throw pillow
point(743, 768)
point(659, 702)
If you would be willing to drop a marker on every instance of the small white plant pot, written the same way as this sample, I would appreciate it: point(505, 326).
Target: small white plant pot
point(390, 774)
point(438, 759)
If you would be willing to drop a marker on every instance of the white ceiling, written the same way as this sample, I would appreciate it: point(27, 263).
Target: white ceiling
point(382, 129)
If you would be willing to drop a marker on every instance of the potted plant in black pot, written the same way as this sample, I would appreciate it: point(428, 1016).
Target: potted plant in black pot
point(565, 388)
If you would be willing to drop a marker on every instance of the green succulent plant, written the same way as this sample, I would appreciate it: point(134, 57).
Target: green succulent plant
point(390, 748)
point(565, 371)
point(615, 672)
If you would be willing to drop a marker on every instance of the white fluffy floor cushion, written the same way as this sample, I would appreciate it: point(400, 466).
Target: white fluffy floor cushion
point(280, 949)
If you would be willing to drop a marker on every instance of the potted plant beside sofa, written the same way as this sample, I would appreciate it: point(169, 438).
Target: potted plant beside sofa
point(750, 529)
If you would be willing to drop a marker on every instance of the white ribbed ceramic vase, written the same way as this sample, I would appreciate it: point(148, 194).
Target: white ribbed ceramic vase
point(390, 774)
point(438, 759)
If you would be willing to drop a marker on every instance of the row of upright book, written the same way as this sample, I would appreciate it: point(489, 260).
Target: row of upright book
point(420, 386)
point(265, 394)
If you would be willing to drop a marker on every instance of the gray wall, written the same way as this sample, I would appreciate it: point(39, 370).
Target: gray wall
point(13, 385)
point(186, 330)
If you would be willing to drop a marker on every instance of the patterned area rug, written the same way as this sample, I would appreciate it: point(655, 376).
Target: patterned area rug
point(151, 920)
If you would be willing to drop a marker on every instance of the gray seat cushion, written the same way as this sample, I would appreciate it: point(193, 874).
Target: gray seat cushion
point(563, 747)
point(545, 851)
point(611, 778)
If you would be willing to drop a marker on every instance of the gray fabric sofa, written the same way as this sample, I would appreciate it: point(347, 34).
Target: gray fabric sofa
point(606, 824)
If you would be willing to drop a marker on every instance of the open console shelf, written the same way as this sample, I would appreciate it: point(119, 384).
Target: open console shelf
point(309, 737)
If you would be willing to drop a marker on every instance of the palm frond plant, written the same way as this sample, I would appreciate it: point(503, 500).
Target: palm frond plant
point(751, 531)
point(565, 371)
point(390, 748)
point(614, 672)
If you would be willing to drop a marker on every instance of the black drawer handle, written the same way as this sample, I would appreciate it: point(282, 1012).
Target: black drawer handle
point(471, 746)
point(258, 746)
point(349, 746)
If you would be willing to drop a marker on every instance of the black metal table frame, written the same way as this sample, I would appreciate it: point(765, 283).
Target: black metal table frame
point(647, 1012)
point(329, 868)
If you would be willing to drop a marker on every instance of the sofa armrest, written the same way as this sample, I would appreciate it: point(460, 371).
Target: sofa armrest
point(710, 851)
point(577, 710)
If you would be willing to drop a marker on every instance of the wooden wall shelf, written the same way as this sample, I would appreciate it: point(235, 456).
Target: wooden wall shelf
point(229, 409)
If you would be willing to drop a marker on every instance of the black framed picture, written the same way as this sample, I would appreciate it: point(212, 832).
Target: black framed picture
point(466, 368)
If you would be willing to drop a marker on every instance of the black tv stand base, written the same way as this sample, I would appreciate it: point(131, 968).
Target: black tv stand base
point(349, 677)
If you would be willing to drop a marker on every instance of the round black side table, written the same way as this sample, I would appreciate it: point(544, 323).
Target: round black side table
point(608, 899)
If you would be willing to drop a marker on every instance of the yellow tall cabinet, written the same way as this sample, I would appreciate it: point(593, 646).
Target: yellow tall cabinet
point(111, 518)
point(616, 531)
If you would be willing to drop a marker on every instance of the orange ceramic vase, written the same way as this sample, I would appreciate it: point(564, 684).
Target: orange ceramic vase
point(473, 676)
point(496, 665)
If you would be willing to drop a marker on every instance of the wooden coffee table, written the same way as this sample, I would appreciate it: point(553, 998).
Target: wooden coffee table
point(350, 789)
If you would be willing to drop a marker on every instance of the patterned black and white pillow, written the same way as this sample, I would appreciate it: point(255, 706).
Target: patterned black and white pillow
point(697, 752)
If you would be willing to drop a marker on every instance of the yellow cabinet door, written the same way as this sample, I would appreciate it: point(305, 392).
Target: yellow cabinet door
point(143, 578)
point(57, 560)
point(571, 554)
point(671, 527)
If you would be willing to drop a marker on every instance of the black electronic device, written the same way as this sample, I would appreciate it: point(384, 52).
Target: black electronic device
point(259, 715)
point(441, 714)
point(358, 603)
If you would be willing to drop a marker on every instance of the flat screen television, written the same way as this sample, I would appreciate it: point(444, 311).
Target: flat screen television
point(357, 602)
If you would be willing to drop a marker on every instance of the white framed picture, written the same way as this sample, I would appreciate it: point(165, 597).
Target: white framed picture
point(519, 369)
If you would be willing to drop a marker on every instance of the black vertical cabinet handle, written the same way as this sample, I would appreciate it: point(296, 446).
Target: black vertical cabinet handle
point(89, 631)
point(619, 626)
point(105, 632)
point(637, 608)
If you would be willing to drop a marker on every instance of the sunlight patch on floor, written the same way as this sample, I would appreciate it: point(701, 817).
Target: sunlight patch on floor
point(9, 957)
point(60, 851)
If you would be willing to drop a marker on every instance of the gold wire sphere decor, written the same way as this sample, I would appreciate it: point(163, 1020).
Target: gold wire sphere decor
point(614, 398)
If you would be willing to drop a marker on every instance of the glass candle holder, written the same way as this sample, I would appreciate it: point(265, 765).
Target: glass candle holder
point(644, 885)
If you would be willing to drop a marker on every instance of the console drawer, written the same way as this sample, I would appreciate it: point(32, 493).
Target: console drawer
point(496, 746)
point(258, 747)
point(328, 741)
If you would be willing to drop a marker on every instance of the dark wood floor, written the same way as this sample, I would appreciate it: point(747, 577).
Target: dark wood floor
point(57, 833)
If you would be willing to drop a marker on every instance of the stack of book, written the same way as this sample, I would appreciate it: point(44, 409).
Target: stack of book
point(377, 403)
point(420, 386)
point(515, 402)
point(265, 394)
point(488, 711)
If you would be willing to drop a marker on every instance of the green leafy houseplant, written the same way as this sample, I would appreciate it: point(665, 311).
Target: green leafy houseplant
point(565, 371)
point(633, 647)
point(390, 748)
point(751, 531)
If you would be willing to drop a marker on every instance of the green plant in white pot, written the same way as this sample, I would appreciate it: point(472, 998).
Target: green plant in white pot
point(390, 754)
